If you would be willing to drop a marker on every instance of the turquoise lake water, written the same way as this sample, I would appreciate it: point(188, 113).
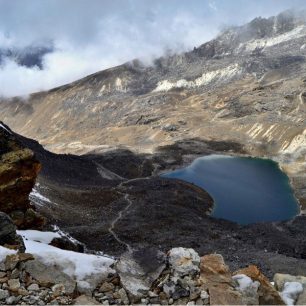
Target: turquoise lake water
point(245, 190)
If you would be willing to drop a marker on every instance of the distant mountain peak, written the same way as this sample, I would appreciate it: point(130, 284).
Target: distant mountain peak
point(30, 56)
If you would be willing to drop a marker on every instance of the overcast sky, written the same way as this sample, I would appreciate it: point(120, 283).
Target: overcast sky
point(91, 35)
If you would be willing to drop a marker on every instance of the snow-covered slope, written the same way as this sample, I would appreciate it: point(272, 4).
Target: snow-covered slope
point(81, 267)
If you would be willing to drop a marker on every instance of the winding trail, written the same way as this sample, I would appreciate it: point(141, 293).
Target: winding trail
point(121, 213)
point(113, 224)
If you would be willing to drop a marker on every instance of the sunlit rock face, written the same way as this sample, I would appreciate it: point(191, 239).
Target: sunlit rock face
point(18, 171)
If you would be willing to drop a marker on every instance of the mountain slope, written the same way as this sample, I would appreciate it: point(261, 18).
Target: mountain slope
point(246, 86)
point(112, 202)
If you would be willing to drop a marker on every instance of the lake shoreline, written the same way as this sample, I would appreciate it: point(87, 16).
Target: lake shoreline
point(280, 205)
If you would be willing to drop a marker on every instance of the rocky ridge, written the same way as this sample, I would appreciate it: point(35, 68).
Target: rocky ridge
point(18, 172)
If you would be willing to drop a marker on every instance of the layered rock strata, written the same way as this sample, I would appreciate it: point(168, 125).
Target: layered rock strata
point(18, 172)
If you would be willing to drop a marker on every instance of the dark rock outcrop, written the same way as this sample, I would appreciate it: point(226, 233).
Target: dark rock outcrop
point(8, 236)
point(65, 243)
point(138, 271)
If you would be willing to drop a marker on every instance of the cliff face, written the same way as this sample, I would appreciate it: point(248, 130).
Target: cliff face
point(18, 171)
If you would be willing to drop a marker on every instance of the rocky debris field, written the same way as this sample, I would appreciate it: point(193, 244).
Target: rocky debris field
point(148, 277)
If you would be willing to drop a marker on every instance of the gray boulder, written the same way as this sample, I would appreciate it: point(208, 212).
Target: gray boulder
point(138, 271)
point(4, 294)
point(48, 276)
point(248, 289)
point(184, 261)
point(281, 279)
point(8, 233)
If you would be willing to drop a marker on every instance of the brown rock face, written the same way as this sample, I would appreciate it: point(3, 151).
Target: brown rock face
point(216, 278)
point(267, 293)
point(18, 171)
point(12, 261)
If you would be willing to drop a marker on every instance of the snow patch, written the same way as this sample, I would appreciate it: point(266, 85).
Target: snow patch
point(255, 130)
point(2, 126)
point(4, 252)
point(291, 292)
point(66, 235)
point(38, 198)
point(38, 236)
point(269, 42)
point(120, 85)
point(269, 132)
point(297, 143)
point(206, 78)
point(244, 282)
point(79, 266)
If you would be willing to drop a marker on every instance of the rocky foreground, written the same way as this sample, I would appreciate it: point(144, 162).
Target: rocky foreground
point(146, 277)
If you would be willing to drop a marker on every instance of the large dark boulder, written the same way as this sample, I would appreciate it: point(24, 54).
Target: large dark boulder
point(8, 235)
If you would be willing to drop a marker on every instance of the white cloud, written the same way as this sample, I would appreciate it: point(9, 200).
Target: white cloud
point(212, 4)
point(89, 36)
point(114, 42)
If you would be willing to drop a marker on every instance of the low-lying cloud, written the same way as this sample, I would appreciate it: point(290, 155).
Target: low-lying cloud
point(88, 36)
